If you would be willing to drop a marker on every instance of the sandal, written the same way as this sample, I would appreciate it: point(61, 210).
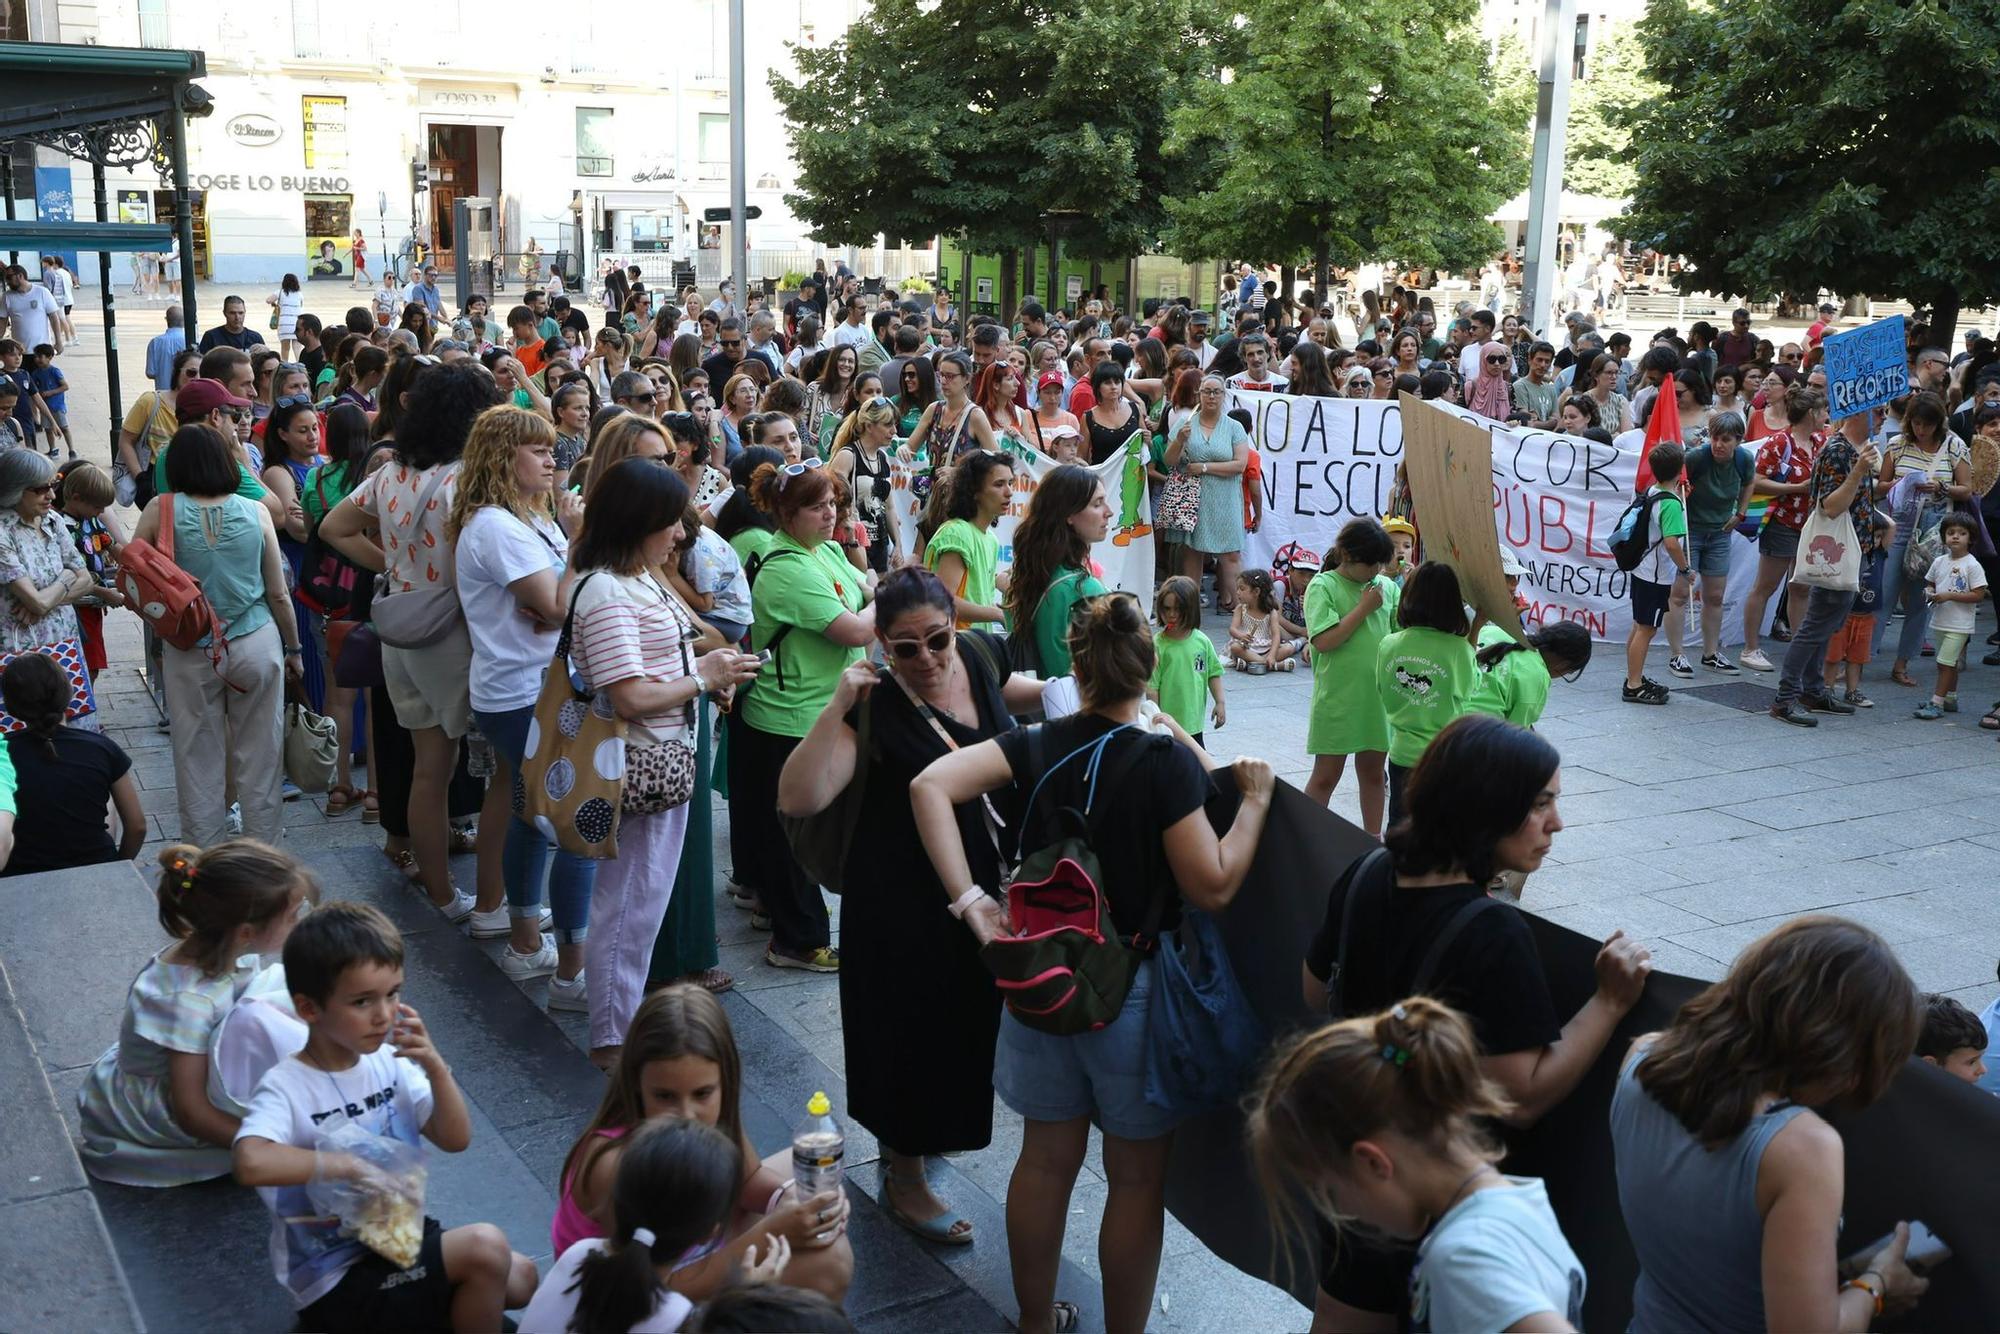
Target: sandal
point(404, 861)
point(1991, 722)
point(948, 1228)
point(464, 840)
point(342, 798)
point(1065, 1318)
point(709, 979)
point(371, 807)
point(1901, 676)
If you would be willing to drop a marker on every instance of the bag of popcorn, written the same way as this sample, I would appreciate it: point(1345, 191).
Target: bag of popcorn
point(374, 1185)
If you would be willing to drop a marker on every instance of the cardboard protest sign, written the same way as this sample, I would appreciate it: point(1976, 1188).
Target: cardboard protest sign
point(1866, 367)
point(1450, 467)
point(1926, 1151)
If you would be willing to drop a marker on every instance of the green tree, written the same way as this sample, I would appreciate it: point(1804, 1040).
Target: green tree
point(975, 120)
point(1868, 169)
point(1349, 132)
point(1601, 106)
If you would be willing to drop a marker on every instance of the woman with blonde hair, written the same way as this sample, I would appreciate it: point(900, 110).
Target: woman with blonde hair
point(512, 528)
point(862, 465)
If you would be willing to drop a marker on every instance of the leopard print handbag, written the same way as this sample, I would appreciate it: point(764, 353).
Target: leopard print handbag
point(659, 775)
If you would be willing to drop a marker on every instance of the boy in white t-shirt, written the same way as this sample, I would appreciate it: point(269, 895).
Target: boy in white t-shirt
point(367, 1058)
point(1955, 586)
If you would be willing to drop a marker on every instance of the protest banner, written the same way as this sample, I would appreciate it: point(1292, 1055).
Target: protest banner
point(1866, 367)
point(1555, 500)
point(1910, 1156)
point(1450, 466)
point(1124, 559)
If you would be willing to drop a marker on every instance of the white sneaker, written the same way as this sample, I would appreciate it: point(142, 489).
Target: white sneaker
point(234, 820)
point(520, 967)
point(499, 922)
point(459, 908)
point(1755, 660)
point(570, 995)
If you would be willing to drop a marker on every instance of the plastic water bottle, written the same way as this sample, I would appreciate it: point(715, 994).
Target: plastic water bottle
point(819, 1151)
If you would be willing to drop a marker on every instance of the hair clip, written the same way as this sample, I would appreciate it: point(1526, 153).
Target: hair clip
point(1399, 1012)
point(1396, 1056)
point(644, 1236)
point(185, 870)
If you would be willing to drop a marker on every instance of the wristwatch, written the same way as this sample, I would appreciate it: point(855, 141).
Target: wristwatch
point(295, 651)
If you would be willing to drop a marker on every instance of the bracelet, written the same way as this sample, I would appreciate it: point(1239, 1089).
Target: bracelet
point(295, 651)
point(1874, 1293)
point(965, 902)
point(771, 1205)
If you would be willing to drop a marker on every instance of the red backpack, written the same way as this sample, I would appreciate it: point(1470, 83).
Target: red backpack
point(166, 596)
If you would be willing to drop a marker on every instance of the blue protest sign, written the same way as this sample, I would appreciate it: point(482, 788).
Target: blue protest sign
point(1866, 367)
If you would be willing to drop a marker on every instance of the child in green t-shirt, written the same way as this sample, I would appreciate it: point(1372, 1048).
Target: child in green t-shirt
point(1350, 607)
point(1426, 671)
point(1186, 660)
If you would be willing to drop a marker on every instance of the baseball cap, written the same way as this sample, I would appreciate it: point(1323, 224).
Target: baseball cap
point(1510, 564)
point(197, 398)
point(1294, 556)
point(1049, 378)
point(1828, 308)
point(1198, 317)
point(1394, 525)
point(1973, 335)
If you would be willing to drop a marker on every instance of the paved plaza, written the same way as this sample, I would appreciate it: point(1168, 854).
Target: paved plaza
point(1696, 827)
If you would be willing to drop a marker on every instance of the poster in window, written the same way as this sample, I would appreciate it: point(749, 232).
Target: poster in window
point(325, 136)
point(329, 236)
point(134, 207)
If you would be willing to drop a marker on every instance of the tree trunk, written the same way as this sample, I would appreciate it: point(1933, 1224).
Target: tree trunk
point(1010, 264)
point(1028, 270)
point(1322, 275)
point(1287, 276)
point(1944, 320)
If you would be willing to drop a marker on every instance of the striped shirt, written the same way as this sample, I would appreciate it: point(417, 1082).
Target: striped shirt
point(628, 627)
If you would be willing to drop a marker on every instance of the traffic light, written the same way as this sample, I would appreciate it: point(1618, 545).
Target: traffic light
point(750, 214)
point(419, 178)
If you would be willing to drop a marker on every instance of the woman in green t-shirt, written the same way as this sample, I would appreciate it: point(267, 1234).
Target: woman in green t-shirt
point(807, 612)
point(1051, 569)
point(964, 551)
point(1424, 672)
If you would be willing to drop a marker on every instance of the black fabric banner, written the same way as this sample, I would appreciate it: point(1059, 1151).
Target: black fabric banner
point(1929, 1150)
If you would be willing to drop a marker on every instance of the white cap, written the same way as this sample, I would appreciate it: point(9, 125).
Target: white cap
point(1510, 564)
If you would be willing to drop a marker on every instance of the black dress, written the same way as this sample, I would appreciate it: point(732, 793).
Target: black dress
point(918, 1010)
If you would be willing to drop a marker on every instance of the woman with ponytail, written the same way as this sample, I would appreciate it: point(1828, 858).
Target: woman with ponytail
point(64, 776)
point(671, 1201)
point(1381, 1120)
point(1158, 852)
point(1480, 802)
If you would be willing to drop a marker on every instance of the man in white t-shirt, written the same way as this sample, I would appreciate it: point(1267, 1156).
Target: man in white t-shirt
point(31, 313)
point(1257, 375)
point(853, 330)
point(1468, 356)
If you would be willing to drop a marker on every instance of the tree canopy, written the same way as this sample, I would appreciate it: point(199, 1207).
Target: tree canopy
point(1358, 132)
point(974, 120)
point(1840, 144)
point(1613, 88)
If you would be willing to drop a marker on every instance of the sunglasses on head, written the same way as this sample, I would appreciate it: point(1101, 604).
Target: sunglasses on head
point(799, 469)
point(294, 401)
point(291, 365)
point(933, 643)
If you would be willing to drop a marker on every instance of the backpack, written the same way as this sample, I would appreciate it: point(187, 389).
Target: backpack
point(1632, 535)
point(1065, 970)
point(750, 568)
point(1376, 869)
point(820, 841)
point(167, 597)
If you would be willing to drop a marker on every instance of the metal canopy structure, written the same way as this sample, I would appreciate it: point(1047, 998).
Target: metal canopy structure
point(110, 106)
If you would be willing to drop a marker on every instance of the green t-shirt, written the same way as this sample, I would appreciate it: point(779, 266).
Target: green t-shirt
point(326, 486)
point(1516, 687)
point(1052, 618)
point(752, 541)
point(806, 590)
point(1714, 485)
point(247, 484)
point(979, 549)
point(1347, 716)
point(1181, 672)
point(1425, 677)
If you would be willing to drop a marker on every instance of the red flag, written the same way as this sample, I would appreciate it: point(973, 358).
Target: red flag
point(1663, 425)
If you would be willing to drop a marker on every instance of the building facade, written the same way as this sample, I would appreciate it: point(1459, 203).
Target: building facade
point(587, 127)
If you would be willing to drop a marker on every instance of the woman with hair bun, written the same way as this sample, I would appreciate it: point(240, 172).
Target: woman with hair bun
point(921, 1079)
point(63, 777)
point(1480, 802)
point(1382, 1119)
point(1158, 851)
point(808, 614)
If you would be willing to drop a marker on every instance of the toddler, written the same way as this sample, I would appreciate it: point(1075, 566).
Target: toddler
point(1293, 572)
point(1185, 662)
point(146, 1114)
point(1257, 643)
point(1955, 586)
point(1853, 644)
point(1403, 537)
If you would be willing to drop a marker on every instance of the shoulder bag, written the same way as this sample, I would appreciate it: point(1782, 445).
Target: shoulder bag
point(659, 775)
point(421, 616)
point(1829, 549)
point(573, 766)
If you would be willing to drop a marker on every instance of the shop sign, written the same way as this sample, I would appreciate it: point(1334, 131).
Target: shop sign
point(318, 185)
point(253, 130)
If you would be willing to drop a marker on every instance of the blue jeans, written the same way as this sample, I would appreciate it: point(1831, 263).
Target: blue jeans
point(570, 877)
point(1895, 585)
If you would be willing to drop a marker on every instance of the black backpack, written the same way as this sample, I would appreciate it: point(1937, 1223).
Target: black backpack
point(1632, 535)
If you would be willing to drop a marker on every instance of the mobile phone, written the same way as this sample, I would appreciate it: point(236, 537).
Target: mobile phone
point(1926, 1250)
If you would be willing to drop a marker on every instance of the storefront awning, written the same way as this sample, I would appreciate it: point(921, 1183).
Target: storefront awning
point(1575, 208)
point(32, 234)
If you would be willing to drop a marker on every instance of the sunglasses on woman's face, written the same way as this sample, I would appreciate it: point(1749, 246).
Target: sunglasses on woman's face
point(934, 643)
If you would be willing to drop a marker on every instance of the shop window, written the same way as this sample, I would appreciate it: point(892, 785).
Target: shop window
point(712, 143)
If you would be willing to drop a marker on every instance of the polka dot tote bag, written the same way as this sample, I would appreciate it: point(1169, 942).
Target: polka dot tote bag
point(572, 776)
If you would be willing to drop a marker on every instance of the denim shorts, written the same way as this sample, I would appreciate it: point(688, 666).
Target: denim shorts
point(1774, 539)
point(1708, 553)
point(1100, 1075)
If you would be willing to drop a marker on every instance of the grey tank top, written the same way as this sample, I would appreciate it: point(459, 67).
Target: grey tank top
point(1692, 1214)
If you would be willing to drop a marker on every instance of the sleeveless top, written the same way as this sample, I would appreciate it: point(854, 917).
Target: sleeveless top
point(870, 502)
point(221, 543)
point(1692, 1214)
point(571, 1224)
